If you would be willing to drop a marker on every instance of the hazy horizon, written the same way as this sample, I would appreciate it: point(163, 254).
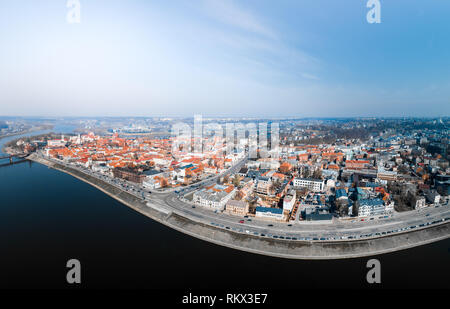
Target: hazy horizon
point(225, 59)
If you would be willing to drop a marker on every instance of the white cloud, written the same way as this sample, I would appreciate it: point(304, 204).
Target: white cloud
point(227, 12)
point(310, 76)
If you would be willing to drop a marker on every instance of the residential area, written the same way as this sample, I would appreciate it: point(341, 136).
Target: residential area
point(346, 179)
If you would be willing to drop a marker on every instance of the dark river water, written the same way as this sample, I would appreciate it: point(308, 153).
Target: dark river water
point(47, 218)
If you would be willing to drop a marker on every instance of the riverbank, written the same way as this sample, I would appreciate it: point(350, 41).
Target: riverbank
point(25, 132)
point(7, 150)
point(14, 134)
point(257, 244)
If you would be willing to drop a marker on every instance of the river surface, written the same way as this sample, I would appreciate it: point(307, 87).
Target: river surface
point(48, 217)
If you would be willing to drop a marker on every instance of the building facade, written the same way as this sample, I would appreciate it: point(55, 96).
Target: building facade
point(315, 185)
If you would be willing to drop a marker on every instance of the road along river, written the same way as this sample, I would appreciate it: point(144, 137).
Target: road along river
point(299, 241)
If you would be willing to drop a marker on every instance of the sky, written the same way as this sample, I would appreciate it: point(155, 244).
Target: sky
point(225, 58)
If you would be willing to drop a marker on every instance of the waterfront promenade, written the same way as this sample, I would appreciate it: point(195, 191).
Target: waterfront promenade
point(301, 241)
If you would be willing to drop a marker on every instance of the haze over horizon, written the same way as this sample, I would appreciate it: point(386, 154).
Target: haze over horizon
point(225, 59)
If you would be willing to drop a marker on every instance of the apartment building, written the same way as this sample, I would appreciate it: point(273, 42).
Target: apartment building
point(289, 201)
point(371, 207)
point(239, 208)
point(269, 213)
point(315, 185)
point(214, 197)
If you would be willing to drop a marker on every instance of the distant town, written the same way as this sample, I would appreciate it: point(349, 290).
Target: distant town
point(323, 170)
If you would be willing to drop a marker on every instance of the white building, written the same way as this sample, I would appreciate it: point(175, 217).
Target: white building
point(420, 202)
point(269, 213)
point(214, 197)
point(100, 168)
point(315, 185)
point(371, 207)
point(152, 179)
point(289, 201)
point(56, 143)
point(151, 183)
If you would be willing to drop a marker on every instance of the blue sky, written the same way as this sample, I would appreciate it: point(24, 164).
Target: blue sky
point(256, 58)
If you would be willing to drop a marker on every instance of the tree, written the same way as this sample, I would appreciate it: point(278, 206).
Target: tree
point(239, 195)
point(317, 174)
point(355, 208)
point(236, 180)
point(285, 168)
point(342, 208)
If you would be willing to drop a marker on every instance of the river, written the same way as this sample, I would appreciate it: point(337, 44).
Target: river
point(48, 217)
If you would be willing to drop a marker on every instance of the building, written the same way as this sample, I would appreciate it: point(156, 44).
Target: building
point(243, 172)
point(317, 215)
point(315, 185)
point(386, 175)
point(442, 183)
point(420, 202)
point(247, 186)
point(357, 164)
point(54, 143)
point(341, 194)
point(289, 201)
point(128, 174)
point(234, 207)
point(371, 207)
point(100, 168)
point(153, 179)
point(264, 186)
point(269, 213)
point(432, 197)
point(214, 197)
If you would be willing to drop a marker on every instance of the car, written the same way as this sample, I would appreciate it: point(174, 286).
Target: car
point(289, 224)
point(241, 221)
point(270, 225)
